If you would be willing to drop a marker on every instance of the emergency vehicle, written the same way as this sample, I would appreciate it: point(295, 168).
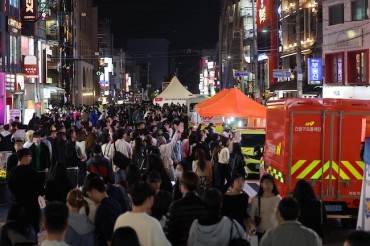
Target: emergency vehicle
point(318, 140)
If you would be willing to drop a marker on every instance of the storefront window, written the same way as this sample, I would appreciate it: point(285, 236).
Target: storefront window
point(357, 65)
point(334, 68)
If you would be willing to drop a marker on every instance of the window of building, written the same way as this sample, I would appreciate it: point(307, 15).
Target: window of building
point(359, 10)
point(358, 71)
point(334, 66)
point(14, 3)
point(336, 14)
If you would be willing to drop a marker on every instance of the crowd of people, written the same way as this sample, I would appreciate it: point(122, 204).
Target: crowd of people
point(141, 175)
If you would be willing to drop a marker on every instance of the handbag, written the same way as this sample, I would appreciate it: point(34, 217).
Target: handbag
point(257, 218)
point(239, 241)
point(119, 159)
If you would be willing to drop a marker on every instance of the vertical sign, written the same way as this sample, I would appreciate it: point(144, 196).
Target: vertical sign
point(314, 71)
point(29, 10)
point(44, 11)
point(2, 98)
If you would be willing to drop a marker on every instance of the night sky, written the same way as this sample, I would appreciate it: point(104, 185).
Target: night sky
point(187, 24)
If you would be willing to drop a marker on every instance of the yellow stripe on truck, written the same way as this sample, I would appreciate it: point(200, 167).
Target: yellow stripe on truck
point(297, 165)
point(308, 169)
point(353, 170)
point(319, 172)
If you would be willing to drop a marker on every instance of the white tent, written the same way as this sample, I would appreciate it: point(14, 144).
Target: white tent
point(174, 93)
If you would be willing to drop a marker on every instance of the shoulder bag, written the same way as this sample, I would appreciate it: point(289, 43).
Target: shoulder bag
point(119, 159)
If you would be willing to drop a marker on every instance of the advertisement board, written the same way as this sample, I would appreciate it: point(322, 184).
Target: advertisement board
point(314, 71)
point(29, 10)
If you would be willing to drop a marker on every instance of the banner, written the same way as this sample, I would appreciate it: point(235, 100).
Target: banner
point(29, 10)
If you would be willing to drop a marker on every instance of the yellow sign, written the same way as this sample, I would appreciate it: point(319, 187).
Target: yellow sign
point(310, 123)
point(14, 23)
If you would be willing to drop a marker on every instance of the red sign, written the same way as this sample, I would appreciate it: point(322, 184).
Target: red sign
point(158, 99)
point(30, 66)
point(263, 13)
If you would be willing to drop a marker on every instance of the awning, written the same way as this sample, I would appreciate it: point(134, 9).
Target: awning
point(292, 86)
point(53, 89)
point(284, 86)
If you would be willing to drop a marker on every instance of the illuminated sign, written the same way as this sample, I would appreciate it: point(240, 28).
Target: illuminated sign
point(29, 10)
point(10, 82)
point(44, 11)
point(30, 66)
point(314, 71)
point(262, 12)
point(14, 23)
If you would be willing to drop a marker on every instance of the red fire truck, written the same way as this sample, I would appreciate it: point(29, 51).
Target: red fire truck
point(318, 140)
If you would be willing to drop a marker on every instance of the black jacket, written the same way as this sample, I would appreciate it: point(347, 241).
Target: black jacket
point(44, 156)
point(181, 215)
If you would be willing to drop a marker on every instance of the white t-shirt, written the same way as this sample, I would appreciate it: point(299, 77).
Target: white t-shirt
point(148, 229)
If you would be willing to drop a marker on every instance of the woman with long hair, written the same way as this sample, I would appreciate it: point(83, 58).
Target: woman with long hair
point(138, 152)
point(223, 166)
point(203, 168)
point(80, 230)
point(264, 205)
point(238, 162)
point(312, 212)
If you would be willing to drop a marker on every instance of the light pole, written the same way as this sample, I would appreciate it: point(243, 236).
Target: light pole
point(257, 93)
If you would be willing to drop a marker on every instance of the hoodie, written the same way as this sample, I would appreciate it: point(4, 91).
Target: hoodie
point(80, 230)
point(216, 234)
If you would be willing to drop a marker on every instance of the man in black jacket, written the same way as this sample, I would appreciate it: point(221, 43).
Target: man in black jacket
point(183, 212)
point(40, 156)
point(12, 160)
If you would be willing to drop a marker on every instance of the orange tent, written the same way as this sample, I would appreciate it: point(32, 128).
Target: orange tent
point(232, 104)
point(213, 99)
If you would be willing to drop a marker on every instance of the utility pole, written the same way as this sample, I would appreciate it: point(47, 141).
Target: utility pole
point(257, 93)
point(242, 59)
point(298, 50)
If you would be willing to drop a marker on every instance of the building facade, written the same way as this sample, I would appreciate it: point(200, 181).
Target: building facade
point(345, 45)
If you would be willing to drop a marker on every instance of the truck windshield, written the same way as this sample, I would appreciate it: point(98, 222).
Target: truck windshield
point(252, 140)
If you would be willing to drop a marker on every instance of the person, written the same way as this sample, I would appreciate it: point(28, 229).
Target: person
point(155, 163)
point(80, 230)
point(17, 228)
point(40, 156)
point(29, 139)
point(290, 232)
point(357, 238)
point(142, 197)
point(237, 160)
point(26, 186)
point(203, 168)
point(120, 145)
point(125, 236)
point(223, 166)
point(211, 229)
point(184, 211)
point(106, 213)
point(101, 165)
point(312, 212)
point(264, 204)
point(55, 224)
point(235, 201)
point(162, 198)
point(12, 160)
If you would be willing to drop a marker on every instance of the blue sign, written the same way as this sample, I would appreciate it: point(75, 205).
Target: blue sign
point(278, 73)
point(241, 74)
point(314, 71)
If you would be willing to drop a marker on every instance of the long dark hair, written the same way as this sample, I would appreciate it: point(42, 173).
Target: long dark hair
point(237, 149)
point(200, 156)
point(269, 178)
point(303, 191)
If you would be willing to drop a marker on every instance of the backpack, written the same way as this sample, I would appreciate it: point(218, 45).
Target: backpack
point(120, 160)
